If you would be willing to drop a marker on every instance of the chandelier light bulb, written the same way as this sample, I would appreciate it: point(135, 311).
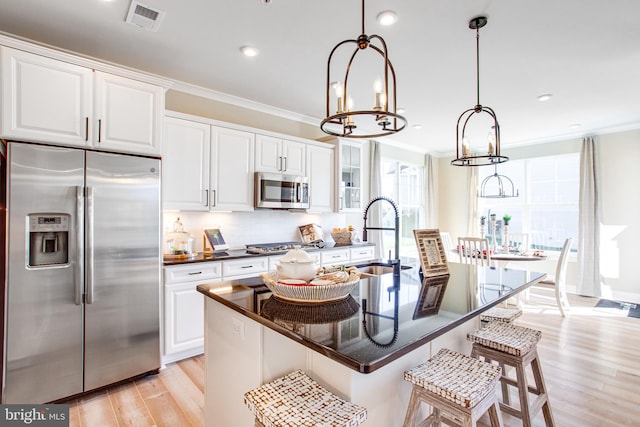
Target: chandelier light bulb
point(465, 147)
point(339, 91)
point(491, 141)
point(377, 88)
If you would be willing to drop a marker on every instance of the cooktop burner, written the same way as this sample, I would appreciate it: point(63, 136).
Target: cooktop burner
point(262, 248)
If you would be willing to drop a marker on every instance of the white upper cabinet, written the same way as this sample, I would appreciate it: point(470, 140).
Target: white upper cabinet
point(52, 101)
point(185, 165)
point(321, 173)
point(279, 155)
point(350, 176)
point(232, 170)
point(45, 100)
point(128, 114)
point(206, 168)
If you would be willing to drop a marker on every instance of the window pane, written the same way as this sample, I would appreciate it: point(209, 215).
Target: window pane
point(551, 225)
point(404, 185)
point(542, 192)
point(547, 208)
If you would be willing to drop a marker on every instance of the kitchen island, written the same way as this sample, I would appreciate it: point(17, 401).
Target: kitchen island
point(358, 347)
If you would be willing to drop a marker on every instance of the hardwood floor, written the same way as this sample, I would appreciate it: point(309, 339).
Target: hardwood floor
point(173, 398)
point(590, 360)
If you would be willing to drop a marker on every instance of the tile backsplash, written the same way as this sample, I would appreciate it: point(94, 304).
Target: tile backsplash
point(260, 226)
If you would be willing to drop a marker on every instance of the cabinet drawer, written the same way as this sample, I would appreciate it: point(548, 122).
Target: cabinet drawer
point(246, 267)
point(332, 257)
point(200, 271)
point(362, 254)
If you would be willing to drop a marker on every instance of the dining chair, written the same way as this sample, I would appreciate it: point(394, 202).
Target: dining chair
point(474, 250)
point(558, 281)
point(445, 236)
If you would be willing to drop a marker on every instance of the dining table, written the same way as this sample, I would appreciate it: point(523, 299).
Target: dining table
point(505, 258)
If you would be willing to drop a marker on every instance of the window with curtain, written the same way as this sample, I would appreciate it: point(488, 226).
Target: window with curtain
point(547, 208)
point(404, 183)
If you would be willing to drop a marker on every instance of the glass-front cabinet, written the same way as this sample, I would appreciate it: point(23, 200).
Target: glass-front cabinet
point(350, 169)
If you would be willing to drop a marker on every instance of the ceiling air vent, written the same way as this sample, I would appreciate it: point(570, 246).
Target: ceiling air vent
point(144, 16)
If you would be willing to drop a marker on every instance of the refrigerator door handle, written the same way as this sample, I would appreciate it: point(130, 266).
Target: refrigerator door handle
point(90, 247)
point(79, 268)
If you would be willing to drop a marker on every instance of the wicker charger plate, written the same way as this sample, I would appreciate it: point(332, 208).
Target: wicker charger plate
point(311, 293)
point(334, 311)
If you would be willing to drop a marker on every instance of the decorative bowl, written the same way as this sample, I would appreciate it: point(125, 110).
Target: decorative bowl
point(296, 270)
point(311, 293)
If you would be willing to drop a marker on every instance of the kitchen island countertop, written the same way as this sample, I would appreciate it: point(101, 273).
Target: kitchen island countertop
point(378, 322)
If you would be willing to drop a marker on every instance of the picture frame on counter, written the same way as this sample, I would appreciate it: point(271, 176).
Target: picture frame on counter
point(215, 240)
point(431, 251)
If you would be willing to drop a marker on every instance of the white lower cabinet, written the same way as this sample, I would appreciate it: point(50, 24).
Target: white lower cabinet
point(335, 256)
point(183, 327)
point(364, 253)
point(244, 267)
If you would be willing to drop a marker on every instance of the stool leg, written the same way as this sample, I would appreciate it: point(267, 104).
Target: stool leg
point(542, 389)
point(412, 409)
point(523, 394)
point(506, 398)
point(495, 415)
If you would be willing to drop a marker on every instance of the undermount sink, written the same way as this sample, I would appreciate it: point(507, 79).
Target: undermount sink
point(377, 268)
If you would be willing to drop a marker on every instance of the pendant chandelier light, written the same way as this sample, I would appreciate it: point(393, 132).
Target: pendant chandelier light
point(464, 156)
point(380, 120)
point(497, 187)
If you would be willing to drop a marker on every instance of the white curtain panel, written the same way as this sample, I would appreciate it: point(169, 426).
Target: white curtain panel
point(374, 216)
point(589, 278)
point(430, 219)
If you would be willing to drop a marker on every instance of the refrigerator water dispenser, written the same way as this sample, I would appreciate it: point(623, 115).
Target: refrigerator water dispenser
point(48, 240)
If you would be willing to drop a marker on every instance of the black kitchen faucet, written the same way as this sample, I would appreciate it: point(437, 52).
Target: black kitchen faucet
point(395, 262)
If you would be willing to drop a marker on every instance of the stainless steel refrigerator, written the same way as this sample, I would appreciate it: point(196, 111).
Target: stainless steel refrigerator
point(82, 271)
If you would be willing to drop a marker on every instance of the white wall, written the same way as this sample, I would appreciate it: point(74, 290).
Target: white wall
point(619, 154)
point(620, 176)
point(260, 226)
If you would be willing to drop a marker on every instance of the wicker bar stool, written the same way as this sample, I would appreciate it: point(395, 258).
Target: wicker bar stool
point(500, 314)
point(297, 400)
point(515, 346)
point(458, 388)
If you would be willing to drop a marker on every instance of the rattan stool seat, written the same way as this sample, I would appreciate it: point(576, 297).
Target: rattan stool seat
point(455, 377)
point(297, 400)
point(501, 314)
point(506, 337)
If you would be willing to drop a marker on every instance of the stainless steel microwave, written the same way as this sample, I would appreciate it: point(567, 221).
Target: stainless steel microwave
point(279, 191)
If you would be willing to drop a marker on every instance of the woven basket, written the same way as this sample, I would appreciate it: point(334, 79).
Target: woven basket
point(295, 312)
point(342, 238)
point(310, 293)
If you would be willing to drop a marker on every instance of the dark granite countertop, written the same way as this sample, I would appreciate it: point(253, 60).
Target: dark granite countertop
point(242, 253)
point(378, 322)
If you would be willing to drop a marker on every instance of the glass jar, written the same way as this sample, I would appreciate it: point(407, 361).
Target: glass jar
point(179, 242)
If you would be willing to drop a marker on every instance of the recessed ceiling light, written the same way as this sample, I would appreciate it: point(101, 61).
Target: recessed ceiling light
point(387, 17)
point(249, 51)
point(544, 97)
point(575, 126)
point(417, 126)
point(400, 110)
